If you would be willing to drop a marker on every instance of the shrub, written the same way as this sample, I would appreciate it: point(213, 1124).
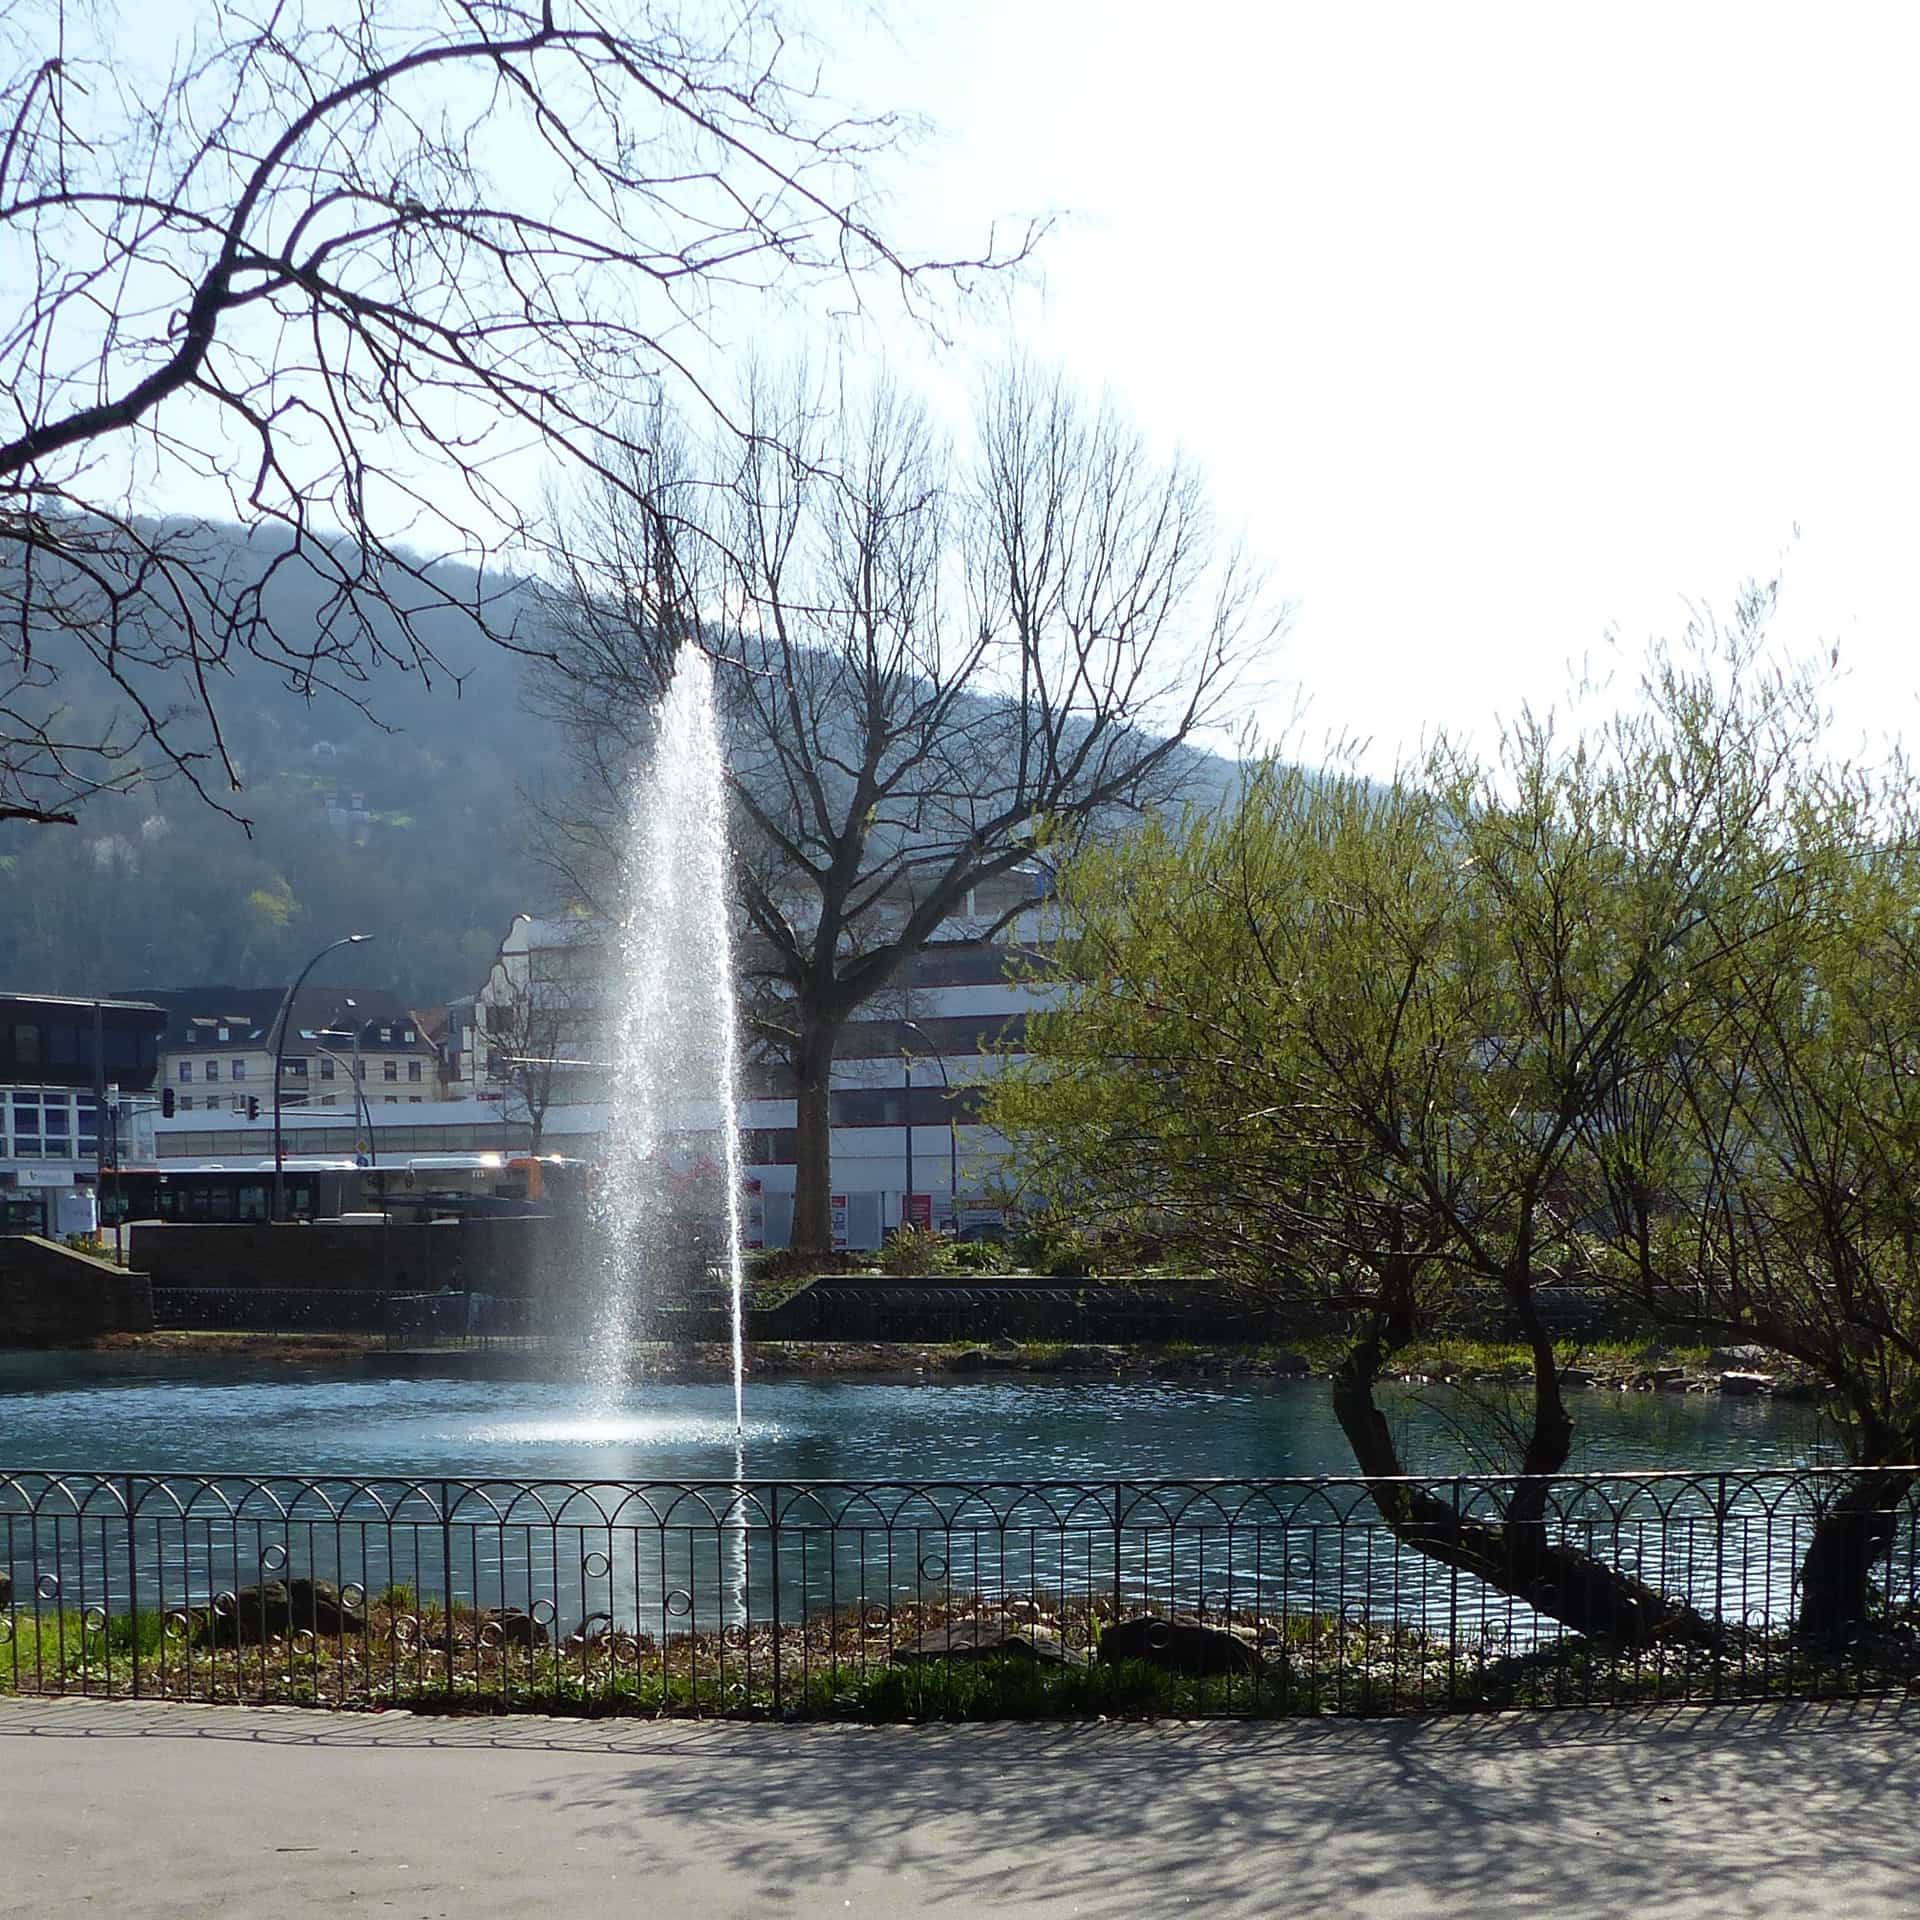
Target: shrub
point(912, 1250)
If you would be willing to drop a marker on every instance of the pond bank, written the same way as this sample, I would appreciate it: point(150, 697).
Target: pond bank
point(1485, 1367)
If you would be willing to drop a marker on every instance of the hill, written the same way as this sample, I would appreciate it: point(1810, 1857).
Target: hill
point(402, 823)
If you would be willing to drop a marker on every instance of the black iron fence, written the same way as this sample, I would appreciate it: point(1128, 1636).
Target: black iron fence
point(913, 1598)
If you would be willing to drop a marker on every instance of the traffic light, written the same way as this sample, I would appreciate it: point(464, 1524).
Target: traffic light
point(166, 1103)
point(253, 1106)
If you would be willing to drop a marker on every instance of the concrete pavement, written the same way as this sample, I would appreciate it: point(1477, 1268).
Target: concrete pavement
point(168, 1810)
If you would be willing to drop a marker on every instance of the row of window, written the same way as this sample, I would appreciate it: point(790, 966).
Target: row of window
point(62, 1050)
point(240, 1102)
point(223, 1035)
point(294, 1070)
point(391, 1136)
point(49, 1126)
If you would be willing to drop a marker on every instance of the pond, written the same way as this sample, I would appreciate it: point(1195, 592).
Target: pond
point(157, 1413)
point(521, 1495)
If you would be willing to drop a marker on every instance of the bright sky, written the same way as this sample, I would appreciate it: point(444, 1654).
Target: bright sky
point(1496, 327)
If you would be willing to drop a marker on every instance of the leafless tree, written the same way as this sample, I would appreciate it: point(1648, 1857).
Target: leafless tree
point(935, 667)
point(528, 1029)
point(341, 266)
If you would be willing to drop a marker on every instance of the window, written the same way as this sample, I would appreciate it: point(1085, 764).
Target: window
point(239, 1069)
point(293, 1070)
point(389, 1069)
point(327, 1100)
point(413, 1099)
point(386, 1036)
point(239, 1103)
point(59, 1126)
point(186, 1103)
point(406, 1036)
point(225, 1034)
point(186, 1073)
point(413, 1071)
point(213, 1071)
point(326, 1067)
point(390, 1100)
point(26, 1045)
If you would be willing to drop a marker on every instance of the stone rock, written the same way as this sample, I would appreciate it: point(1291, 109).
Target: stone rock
point(1744, 1385)
point(1812, 1390)
point(1576, 1377)
point(973, 1360)
point(1179, 1646)
point(1084, 1360)
point(987, 1639)
point(1290, 1363)
point(282, 1607)
point(1743, 1359)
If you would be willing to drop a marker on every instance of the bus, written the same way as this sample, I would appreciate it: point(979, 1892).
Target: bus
point(402, 1187)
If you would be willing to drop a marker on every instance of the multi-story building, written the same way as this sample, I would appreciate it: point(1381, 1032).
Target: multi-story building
point(76, 1079)
point(345, 1047)
point(907, 1141)
point(534, 1036)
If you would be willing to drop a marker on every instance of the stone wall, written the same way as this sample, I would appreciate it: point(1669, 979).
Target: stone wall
point(50, 1295)
point(511, 1255)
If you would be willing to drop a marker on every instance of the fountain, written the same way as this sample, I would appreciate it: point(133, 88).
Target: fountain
point(674, 1042)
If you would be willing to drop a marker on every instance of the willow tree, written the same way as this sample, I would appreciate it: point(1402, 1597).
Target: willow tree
point(1350, 1045)
point(335, 269)
point(936, 665)
point(1762, 1173)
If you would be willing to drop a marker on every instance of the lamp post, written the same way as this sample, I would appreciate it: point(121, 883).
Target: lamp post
point(279, 1058)
point(953, 1139)
point(362, 1107)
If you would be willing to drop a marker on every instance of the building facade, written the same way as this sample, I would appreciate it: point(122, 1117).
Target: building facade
point(346, 1047)
point(77, 1079)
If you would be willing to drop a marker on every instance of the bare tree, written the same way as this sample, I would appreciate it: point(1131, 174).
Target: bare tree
point(935, 670)
point(527, 1032)
point(341, 268)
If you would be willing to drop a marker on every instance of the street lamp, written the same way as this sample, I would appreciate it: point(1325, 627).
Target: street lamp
point(362, 1107)
point(279, 1064)
point(953, 1139)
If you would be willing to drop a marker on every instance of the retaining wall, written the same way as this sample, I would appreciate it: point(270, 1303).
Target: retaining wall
point(50, 1295)
point(507, 1255)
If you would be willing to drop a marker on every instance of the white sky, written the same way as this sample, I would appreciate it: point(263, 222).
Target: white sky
point(1495, 327)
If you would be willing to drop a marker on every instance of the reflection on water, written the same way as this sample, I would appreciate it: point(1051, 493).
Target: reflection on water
point(66, 1410)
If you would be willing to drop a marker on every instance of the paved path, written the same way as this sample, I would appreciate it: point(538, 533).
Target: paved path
point(136, 1810)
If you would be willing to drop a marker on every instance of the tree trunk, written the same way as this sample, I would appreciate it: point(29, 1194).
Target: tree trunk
point(1853, 1536)
point(813, 1139)
point(1513, 1555)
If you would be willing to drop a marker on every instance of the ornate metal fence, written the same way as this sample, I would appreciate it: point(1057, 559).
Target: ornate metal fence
point(940, 1597)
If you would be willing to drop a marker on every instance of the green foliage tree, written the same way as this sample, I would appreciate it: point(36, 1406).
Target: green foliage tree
point(1361, 1041)
point(1762, 1172)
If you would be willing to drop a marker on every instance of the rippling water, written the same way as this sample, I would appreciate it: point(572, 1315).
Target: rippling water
point(95, 1411)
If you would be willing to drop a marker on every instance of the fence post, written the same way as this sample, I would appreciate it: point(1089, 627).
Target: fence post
point(1119, 1516)
point(773, 1554)
point(446, 1573)
point(133, 1587)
